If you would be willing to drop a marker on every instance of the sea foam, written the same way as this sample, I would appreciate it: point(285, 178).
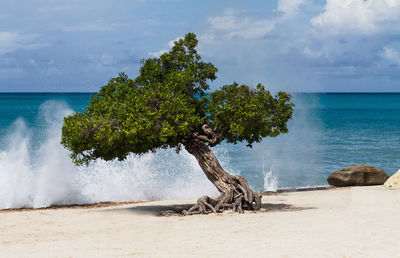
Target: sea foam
point(42, 174)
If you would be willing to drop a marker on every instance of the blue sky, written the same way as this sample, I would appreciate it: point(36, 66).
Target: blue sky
point(293, 45)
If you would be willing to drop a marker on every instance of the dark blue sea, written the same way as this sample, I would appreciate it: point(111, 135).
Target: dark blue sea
point(328, 132)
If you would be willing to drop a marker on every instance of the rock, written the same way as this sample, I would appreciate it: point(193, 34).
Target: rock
point(393, 181)
point(357, 176)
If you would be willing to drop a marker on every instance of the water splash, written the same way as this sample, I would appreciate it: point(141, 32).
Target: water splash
point(293, 156)
point(36, 171)
point(270, 181)
point(16, 175)
point(42, 174)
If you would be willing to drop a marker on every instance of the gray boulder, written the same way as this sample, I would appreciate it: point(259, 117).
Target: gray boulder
point(357, 176)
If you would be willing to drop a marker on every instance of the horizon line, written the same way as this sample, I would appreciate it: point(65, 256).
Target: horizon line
point(291, 92)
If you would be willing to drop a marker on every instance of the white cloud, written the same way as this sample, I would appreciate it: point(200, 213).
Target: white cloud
point(359, 16)
point(307, 51)
point(157, 53)
point(11, 41)
point(391, 54)
point(206, 37)
point(332, 48)
point(171, 43)
point(225, 22)
point(51, 6)
point(97, 26)
point(289, 7)
point(232, 26)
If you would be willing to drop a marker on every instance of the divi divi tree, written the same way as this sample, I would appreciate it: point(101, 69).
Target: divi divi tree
point(166, 106)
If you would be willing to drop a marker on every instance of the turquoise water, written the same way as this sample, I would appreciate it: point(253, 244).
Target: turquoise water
point(26, 106)
point(332, 131)
point(328, 132)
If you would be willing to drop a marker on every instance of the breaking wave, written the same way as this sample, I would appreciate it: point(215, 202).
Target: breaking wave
point(36, 171)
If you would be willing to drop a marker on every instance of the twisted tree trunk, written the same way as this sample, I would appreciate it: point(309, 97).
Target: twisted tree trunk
point(234, 189)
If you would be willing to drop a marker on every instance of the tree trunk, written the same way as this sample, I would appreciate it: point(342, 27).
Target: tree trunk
point(234, 189)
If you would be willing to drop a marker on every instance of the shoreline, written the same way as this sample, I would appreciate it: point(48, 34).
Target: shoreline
point(71, 206)
point(111, 204)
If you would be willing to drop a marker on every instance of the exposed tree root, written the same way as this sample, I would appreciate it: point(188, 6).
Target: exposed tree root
point(235, 192)
point(238, 197)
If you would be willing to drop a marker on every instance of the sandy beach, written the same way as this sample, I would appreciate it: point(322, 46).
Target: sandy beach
point(347, 222)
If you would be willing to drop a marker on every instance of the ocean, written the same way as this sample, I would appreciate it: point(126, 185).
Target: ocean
point(328, 131)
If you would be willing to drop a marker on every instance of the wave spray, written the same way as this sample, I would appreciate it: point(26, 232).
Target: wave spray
point(36, 171)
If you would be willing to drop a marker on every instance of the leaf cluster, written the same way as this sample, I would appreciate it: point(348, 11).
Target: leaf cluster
point(239, 113)
point(166, 106)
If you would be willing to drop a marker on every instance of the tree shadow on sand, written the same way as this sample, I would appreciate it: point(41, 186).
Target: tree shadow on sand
point(176, 209)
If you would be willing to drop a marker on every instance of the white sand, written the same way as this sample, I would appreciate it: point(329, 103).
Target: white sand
point(356, 222)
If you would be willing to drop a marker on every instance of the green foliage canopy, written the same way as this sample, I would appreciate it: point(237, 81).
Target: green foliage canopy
point(166, 106)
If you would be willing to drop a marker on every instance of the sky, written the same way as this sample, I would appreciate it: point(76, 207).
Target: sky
point(290, 45)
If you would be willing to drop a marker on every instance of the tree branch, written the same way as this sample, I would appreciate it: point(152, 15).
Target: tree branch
point(223, 132)
point(212, 138)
